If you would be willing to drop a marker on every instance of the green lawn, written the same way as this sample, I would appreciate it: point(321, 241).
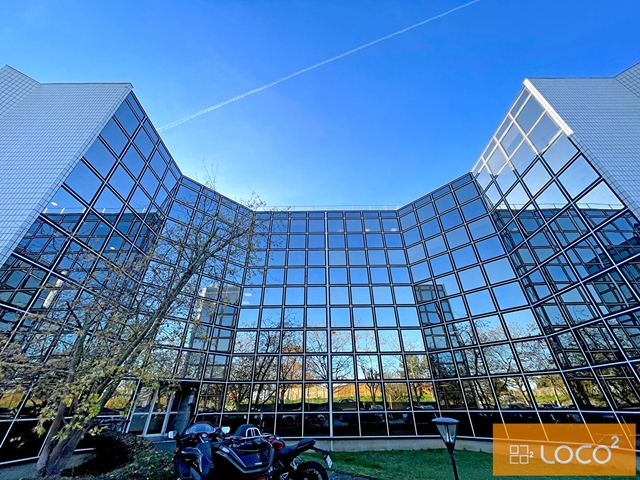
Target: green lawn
point(425, 465)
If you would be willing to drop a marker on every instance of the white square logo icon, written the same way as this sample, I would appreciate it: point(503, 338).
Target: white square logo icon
point(519, 454)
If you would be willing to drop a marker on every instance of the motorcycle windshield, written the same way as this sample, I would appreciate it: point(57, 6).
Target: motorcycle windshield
point(201, 427)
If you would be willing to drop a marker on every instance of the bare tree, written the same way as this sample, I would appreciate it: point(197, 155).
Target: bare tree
point(109, 312)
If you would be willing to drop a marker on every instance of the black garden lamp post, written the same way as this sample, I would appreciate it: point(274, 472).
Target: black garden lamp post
point(448, 429)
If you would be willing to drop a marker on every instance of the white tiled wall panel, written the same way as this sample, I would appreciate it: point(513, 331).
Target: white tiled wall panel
point(44, 130)
point(631, 79)
point(604, 114)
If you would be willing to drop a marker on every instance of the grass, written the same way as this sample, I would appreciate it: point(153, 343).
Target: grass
point(424, 465)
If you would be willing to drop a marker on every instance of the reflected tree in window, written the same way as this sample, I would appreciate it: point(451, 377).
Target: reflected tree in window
point(107, 332)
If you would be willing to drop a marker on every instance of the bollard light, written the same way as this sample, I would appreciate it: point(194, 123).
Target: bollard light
point(448, 430)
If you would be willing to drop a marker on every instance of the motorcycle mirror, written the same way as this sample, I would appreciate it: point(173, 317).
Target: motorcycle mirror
point(226, 429)
point(172, 434)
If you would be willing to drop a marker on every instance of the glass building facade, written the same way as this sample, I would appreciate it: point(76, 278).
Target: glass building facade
point(511, 294)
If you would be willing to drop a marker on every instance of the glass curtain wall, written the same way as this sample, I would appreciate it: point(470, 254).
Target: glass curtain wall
point(508, 295)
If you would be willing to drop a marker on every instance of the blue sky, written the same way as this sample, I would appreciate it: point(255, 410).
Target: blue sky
point(380, 127)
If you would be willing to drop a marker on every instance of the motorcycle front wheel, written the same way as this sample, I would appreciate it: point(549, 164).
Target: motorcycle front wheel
point(310, 471)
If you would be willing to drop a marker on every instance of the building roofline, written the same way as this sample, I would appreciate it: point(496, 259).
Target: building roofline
point(631, 67)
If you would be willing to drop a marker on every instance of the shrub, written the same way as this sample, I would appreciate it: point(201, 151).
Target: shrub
point(113, 450)
point(147, 465)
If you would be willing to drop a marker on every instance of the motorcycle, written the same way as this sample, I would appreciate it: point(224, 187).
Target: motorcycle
point(205, 452)
point(287, 464)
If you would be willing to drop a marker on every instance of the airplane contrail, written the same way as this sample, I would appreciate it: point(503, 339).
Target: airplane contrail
point(304, 70)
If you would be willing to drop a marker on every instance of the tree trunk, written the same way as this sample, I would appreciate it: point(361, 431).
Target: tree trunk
point(49, 441)
point(61, 453)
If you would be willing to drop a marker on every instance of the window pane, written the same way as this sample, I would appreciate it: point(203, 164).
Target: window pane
point(457, 237)
point(441, 264)
point(133, 161)
point(315, 276)
point(430, 228)
point(464, 257)
point(559, 154)
point(543, 132)
point(481, 228)
point(536, 178)
point(472, 278)
point(360, 295)
point(451, 219)
point(509, 295)
point(578, 177)
point(340, 317)
point(480, 302)
point(511, 140)
point(521, 324)
point(425, 212)
point(114, 137)
point(499, 271)
point(316, 241)
point(529, 114)
point(83, 182)
point(490, 248)
point(100, 158)
point(466, 193)
point(379, 275)
point(445, 203)
point(126, 118)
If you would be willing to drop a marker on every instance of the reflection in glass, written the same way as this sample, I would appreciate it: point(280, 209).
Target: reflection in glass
point(535, 356)
point(521, 323)
point(499, 270)
point(316, 367)
point(512, 393)
point(341, 341)
point(392, 367)
point(509, 295)
point(463, 257)
point(108, 202)
point(100, 158)
point(389, 340)
point(114, 136)
point(461, 334)
point(316, 397)
point(506, 178)
point(500, 359)
point(551, 199)
point(578, 176)
point(511, 140)
point(471, 278)
point(370, 396)
point(396, 396)
point(602, 198)
point(342, 367)
point(543, 132)
point(496, 161)
point(559, 154)
point(83, 181)
point(536, 178)
point(467, 192)
point(450, 395)
point(478, 394)
point(480, 302)
point(529, 114)
point(587, 392)
point(422, 395)
point(316, 341)
point(412, 341)
point(522, 158)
